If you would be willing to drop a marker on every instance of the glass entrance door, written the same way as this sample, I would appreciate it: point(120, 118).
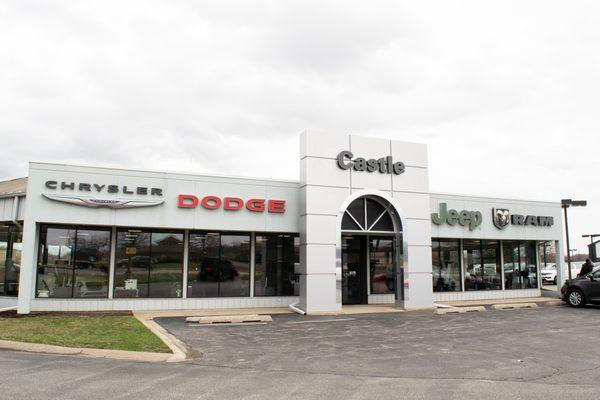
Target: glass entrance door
point(381, 265)
point(354, 263)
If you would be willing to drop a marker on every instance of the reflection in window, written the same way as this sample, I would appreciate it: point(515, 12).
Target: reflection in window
point(10, 259)
point(149, 263)
point(445, 255)
point(73, 262)
point(275, 258)
point(219, 265)
point(481, 259)
point(547, 255)
point(520, 269)
point(381, 264)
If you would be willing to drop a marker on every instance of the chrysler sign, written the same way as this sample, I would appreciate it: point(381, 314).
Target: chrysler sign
point(88, 190)
point(99, 203)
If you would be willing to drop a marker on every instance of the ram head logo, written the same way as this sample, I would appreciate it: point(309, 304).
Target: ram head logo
point(501, 217)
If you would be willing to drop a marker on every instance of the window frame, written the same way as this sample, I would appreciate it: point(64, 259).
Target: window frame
point(75, 228)
point(254, 261)
point(459, 249)
point(251, 256)
point(151, 231)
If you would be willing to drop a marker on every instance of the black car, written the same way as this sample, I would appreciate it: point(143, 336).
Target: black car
point(583, 290)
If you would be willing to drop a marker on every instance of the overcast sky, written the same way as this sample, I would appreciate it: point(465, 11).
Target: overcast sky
point(506, 94)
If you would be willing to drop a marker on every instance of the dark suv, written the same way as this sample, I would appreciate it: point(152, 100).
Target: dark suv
point(582, 290)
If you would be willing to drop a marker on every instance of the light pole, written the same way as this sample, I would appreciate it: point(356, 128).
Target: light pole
point(566, 203)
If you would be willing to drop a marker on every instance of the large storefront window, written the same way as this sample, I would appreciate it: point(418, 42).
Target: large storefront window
point(149, 263)
point(219, 265)
point(520, 269)
point(381, 264)
point(274, 260)
point(547, 254)
point(445, 255)
point(73, 262)
point(481, 259)
point(10, 259)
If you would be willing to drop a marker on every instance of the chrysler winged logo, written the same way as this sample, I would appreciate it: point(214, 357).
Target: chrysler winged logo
point(501, 217)
point(106, 203)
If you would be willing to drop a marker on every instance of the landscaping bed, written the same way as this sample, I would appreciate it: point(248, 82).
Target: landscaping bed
point(118, 331)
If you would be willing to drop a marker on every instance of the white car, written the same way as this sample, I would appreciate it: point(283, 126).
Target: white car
point(549, 274)
point(549, 271)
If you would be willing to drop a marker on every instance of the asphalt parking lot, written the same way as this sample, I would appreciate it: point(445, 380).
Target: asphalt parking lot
point(520, 345)
point(547, 353)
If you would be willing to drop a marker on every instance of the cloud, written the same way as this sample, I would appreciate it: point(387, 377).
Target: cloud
point(505, 94)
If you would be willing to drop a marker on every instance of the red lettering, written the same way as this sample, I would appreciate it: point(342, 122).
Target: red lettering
point(187, 201)
point(233, 203)
point(256, 205)
point(211, 202)
point(277, 206)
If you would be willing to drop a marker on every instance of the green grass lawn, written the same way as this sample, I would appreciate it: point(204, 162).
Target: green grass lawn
point(120, 332)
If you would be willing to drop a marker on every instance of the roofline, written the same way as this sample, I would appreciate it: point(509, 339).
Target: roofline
point(248, 178)
point(14, 194)
point(554, 203)
point(166, 172)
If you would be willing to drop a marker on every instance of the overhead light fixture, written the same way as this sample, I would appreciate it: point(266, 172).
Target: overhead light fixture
point(566, 203)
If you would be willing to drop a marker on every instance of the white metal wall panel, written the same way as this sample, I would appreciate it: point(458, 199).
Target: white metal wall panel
point(158, 304)
point(487, 230)
point(486, 295)
point(6, 206)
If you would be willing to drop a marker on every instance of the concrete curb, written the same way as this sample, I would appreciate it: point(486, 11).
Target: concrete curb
point(513, 306)
point(229, 319)
point(556, 302)
point(179, 349)
point(97, 353)
point(459, 310)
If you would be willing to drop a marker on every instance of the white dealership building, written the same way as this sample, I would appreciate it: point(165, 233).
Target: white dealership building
point(360, 226)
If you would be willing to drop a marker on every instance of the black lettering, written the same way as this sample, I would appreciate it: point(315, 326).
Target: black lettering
point(390, 164)
point(531, 220)
point(125, 191)
point(360, 164)
point(156, 192)
point(51, 184)
point(517, 219)
point(142, 190)
point(371, 165)
point(85, 187)
point(545, 221)
point(64, 185)
point(112, 189)
point(340, 159)
point(98, 187)
point(382, 165)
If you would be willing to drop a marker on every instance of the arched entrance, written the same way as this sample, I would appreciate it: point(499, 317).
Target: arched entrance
point(371, 250)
